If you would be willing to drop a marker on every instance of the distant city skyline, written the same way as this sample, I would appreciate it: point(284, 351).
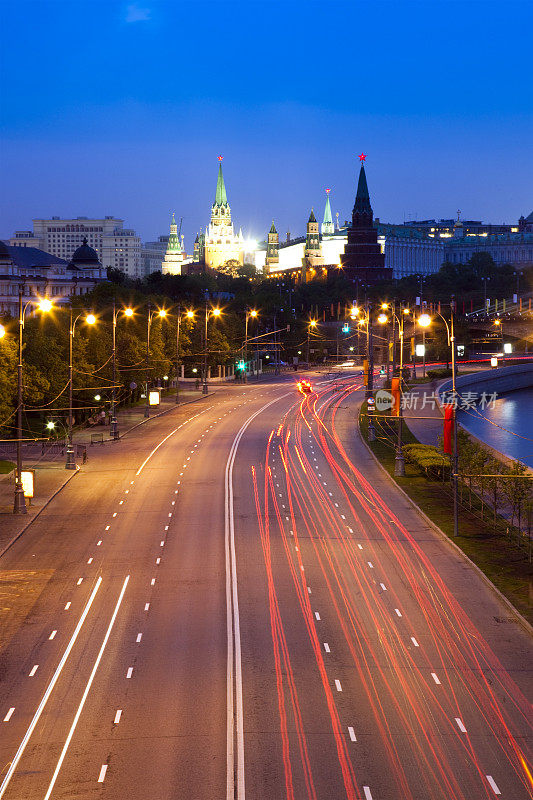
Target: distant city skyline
point(445, 118)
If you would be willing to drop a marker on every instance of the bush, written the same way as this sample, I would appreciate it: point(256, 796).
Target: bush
point(427, 458)
point(437, 374)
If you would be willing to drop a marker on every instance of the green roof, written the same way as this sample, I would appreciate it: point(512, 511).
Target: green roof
point(220, 196)
point(312, 217)
point(273, 228)
point(327, 211)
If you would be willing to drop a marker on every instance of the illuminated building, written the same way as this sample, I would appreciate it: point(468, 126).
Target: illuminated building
point(221, 244)
point(116, 246)
point(272, 251)
point(173, 259)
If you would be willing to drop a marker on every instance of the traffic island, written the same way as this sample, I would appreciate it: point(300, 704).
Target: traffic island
point(490, 545)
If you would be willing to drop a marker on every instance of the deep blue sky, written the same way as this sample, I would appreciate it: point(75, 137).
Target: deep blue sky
point(122, 108)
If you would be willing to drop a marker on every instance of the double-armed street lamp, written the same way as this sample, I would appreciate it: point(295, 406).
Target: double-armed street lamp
point(128, 312)
point(90, 319)
point(161, 312)
point(209, 312)
point(188, 315)
point(253, 314)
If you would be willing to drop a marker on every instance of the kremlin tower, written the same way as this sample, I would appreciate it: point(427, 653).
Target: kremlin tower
point(173, 260)
point(362, 259)
point(327, 228)
point(221, 245)
point(272, 253)
point(313, 250)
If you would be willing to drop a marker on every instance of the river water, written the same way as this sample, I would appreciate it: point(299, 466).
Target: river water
point(511, 414)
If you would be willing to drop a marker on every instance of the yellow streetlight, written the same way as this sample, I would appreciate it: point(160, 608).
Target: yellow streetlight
point(424, 320)
point(312, 323)
point(497, 322)
point(90, 319)
point(190, 314)
point(162, 312)
point(45, 304)
point(384, 306)
point(216, 312)
point(382, 319)
point(128, 312)
point(253, 313)
point(2, 331)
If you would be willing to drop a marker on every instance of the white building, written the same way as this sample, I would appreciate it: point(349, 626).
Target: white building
point(45, 275)
point(116, 246)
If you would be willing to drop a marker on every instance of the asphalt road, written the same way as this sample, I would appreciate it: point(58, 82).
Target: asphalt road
point(233, 602)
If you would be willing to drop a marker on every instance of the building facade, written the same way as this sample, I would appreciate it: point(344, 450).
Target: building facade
point(45, 275)
point(115, 245)
point(173, 259)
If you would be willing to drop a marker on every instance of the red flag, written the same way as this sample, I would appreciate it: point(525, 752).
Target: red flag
point(448, 427)
point(395, 391)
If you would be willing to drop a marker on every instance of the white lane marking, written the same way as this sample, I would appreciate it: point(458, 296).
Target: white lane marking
point(234, 702)
point(158, 561)
point(118, 716)
point(162, 544)
point(68, 605)
point(460, 725)
point(103, 770)
point(492, 784)
point(52, 635)
point(342, 516)
point(302, 568)
point(127, 491)
point(166, 527)
point(146, 606)
point(173, 503)
point(309, 589)
point(98, 543)
point(317, 615)
point(338, 685)
point(114, 513)
point(368, 793)
point(120, 502)
point(152, 582)
point(129, 673)
point(326, 647)
point(156, 448)
point(352, 733)
point(9, 714)
point(48, 692)
point(34, 670)
point(414, 641)
point(139, 637)
point(383, 587)
point(90, 561)
point(79, 581)
point(435, 678)
point(170, 513)
point(370, 564)
point(86, 692)
point(360, 546)
point(398, 612)
point(336, 505)
point(107, 527)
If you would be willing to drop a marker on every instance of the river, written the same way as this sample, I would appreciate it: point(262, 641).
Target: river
point(510, 412)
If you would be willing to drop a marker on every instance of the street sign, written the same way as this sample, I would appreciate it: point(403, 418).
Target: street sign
point(154, 397)
point(133, 385)
point(27, 477)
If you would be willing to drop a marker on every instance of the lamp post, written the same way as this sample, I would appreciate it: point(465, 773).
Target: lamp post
point(455, 454)
point(249, 313)
point(189, 315)
point(151, 314)
point(215, 312)
point(312, 324)
point(399, 461)
point(90, 319)
point(499, 324)
point(19, 504)
point(128, 312)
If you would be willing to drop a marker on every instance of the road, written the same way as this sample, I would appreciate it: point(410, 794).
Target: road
point(233, 601)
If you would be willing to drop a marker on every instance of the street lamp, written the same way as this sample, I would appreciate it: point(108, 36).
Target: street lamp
point(2, 331)
point(150, 316)
point(498, 324)
point(188, 315)
point(128, 312)
point(250, 313)
point(90, 319)
point(312, 324)
point(215, 312)
point(45, 305)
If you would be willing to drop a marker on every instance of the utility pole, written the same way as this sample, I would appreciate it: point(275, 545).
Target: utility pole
point(149, 318)
point(455, 451)
point(20, 501)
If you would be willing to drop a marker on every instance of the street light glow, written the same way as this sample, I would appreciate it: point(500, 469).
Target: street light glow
point(190, 314)
point(128, 312)
point(162, 312)
point(50, 425)
point(2, 331)
point(312, 323)
point(354, 312)
point(216, 312)
point(405, 310)
point(253, 313)
point(45, 305)
point(424, 320)
point(382, 319)
point(97, 397)
point(497, 322)
point(90, 319)
point(384, 306)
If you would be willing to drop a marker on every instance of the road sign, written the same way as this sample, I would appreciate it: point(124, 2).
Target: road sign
point(133, 385)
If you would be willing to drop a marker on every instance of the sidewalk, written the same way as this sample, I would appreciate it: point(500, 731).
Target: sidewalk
point(51, 475)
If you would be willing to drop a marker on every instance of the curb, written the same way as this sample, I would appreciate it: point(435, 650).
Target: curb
point(32, 520)
point(519, 618)
point(161, 413)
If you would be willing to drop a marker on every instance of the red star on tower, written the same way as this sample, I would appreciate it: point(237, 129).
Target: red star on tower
point(328, 191)
point(220, 158)
point(362, 157)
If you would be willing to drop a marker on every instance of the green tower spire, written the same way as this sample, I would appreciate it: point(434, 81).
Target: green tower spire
point(220, 196)
point(273, 228)
point(327, 225)
point(174, 244)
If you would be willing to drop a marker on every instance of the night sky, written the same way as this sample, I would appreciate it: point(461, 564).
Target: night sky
point(122, 108)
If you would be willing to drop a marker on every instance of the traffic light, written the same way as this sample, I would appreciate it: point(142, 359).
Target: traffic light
point(346, 328)
point(241, 365)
